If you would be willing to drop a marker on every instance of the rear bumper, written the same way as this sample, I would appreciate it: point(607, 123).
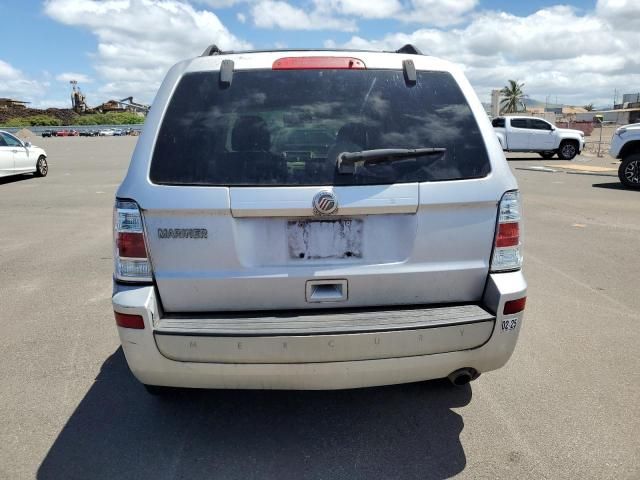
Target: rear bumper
point(393, 353)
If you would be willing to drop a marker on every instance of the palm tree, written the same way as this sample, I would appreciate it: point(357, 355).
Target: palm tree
point(588, 107)
point(513, 97)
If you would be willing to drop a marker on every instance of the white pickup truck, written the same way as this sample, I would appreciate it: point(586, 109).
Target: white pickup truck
point(532, 134)
point(625, 145)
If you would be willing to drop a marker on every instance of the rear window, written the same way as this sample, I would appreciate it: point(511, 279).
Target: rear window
point(519, 123)
point(288, 128)
point(539, 124)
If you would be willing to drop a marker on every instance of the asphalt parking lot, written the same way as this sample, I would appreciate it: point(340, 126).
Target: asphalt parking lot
point(566, 406)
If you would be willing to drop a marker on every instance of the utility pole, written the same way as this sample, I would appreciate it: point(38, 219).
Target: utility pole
point(600, 120)
point(495, 103)
point(615, 98)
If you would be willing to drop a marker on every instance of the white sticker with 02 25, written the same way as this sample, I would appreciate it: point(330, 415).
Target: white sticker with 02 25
point(509, 324)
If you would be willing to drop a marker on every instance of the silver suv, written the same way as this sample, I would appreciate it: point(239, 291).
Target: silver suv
point(316, 220)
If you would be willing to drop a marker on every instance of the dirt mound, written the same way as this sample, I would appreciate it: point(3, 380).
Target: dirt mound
point(25, 134)
point(65, 115)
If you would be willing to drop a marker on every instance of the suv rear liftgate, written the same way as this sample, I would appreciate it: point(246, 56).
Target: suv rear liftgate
point(352, 218)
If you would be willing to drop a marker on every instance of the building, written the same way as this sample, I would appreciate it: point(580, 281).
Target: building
point(124, 105)
point(564, 110)
point(629, 100)
point(10, 103)
point(619, 116)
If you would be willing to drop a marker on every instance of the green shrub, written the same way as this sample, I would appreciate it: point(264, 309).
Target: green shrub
point(110, 118)
point(16, 122)
point(33, 121)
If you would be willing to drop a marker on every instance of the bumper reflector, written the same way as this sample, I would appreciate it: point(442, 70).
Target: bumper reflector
point(129, 321)
point(514, 306)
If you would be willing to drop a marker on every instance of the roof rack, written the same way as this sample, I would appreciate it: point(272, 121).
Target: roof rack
point(212, 50)
point(410, 49)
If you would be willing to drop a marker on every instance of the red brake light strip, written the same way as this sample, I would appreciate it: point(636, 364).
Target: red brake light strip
point(318, 63)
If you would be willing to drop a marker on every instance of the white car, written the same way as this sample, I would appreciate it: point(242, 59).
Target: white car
point(108, 132)
point(387, 252)
point(625, 145)
point(18, 157)
point(532, 134)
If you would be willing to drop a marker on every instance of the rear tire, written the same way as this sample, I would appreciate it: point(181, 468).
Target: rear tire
point(568, 150)
point(547, 155)
point(42, 168)
point(629, 171)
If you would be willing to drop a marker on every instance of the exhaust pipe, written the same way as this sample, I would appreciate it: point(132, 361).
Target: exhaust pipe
point(463, 376)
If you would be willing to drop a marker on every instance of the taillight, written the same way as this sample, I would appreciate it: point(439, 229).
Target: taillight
point(507, 249)
point(130, 252)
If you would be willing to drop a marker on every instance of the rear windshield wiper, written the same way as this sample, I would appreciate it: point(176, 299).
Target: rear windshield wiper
point(347, 160)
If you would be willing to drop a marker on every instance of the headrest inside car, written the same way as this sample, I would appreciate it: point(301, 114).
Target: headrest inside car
point(250, 134)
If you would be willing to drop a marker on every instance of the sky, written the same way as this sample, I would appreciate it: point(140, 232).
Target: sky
point(576, 51)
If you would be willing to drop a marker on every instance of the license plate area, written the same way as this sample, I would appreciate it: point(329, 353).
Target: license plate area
point(324, 239)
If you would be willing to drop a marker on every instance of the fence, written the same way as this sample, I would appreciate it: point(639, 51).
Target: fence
point(585, 127)
point(594, 145)
point(80, 128)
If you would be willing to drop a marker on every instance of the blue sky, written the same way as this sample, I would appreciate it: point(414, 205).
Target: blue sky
point(579, 51)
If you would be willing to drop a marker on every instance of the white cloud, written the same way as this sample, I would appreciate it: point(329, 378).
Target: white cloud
point(623, 14)
point(45, 103)
point(8, 72)
point(364, 9)
point(440, 13)
point(580, 58)
point(242, 18)
point(66, 77)
point(138, 40)
point(220, 3)
point(342, 14)
point(426, 12)
point(17, 85)
point(278, 14)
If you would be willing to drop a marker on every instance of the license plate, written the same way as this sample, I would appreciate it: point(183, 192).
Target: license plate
point(325, 239)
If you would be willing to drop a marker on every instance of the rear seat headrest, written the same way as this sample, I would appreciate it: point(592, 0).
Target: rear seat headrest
point(250, 134)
